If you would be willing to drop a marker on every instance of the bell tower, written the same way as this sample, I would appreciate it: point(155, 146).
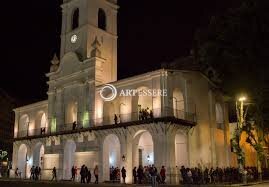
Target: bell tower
point(83, 23)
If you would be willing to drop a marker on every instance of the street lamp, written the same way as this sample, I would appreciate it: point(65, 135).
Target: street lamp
point(240, 122)
point(123, 158)
point(240, 112)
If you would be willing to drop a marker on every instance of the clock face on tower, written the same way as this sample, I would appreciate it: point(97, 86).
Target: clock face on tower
point(74, 38)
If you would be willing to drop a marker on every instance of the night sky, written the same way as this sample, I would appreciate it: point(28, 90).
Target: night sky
point(150, 32)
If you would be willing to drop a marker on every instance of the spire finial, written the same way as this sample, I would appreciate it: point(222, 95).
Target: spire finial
point(55, 63)
point(55, 60)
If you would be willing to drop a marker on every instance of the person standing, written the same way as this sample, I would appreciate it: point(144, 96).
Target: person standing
point(163, 175)
point(140, 174)
point(115, 119)
point(74, 125)
point(73, 173)
point(89, 176)
point(17, 172)
point(82, 174)
point(123, 174)
point(32, 171)
point(86, 174)
point(96, 174)
point(36, 175)
point(39, 173)
point(134, 175)
point(76, 173)
point(54, 174)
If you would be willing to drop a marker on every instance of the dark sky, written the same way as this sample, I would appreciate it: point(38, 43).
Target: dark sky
point(150, 32)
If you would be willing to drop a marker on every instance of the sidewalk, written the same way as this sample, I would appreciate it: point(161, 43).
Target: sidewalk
point(29, 183)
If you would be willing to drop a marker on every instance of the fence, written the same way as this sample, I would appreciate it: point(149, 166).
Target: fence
point(139, 116)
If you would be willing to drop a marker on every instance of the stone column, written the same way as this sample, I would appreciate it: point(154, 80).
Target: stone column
point(51, 111)
point(90, 101)
point(81, 104)
point(165, 99)
point(100, 161)
point(164, 152)
point(60, 170)
point(126, 150)
point(164, 149)
point(59, 109)
point(16, 126)
point(14, 159)
point(212, 129)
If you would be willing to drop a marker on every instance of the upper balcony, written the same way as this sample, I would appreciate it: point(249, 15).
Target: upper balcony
point(166, 114)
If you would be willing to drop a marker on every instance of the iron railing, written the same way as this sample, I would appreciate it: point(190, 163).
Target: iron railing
point(113, 119)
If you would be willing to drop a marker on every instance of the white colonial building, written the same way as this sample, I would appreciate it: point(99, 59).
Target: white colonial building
point(188, 126)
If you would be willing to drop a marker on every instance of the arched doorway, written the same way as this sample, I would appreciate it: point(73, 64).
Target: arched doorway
point(23, 126)
point(181, 149)
point(40, 123)
point(178, 104)
point(111, 155)
point(71, 112)
point(143, 150)
point(145, 102)
point(22, 162)
point(38, 155)
point(69, 152)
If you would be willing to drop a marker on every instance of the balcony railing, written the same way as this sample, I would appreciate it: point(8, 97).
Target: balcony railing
point(138, 117)
point(33, 132)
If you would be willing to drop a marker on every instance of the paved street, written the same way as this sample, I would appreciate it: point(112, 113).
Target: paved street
point(27, 183)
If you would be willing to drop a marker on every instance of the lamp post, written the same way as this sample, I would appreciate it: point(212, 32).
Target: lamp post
point(240, 124)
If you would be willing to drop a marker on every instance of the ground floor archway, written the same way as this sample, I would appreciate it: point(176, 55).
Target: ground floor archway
point(22, 162)
point(38, 155)
point(69, 153)
point(143, 149)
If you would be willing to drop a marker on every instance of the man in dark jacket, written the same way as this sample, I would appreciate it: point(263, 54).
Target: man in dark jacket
point(82, 174)
point(140, 174)
point(89, 176)
point(123, 174)
point(134, 175)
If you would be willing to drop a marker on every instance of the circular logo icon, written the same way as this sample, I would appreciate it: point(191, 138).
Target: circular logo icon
point(110, 88)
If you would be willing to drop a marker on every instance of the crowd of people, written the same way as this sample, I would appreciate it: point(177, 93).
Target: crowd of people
point(216, 175)
point(149, 175)
point(145, 114)
point(35, 173)
point(115, 173)
point(85, 174)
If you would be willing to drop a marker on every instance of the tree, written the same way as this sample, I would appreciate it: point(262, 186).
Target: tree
point(236, 44)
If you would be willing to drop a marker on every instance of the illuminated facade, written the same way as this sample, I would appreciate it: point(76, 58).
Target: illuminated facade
point(188, 126)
